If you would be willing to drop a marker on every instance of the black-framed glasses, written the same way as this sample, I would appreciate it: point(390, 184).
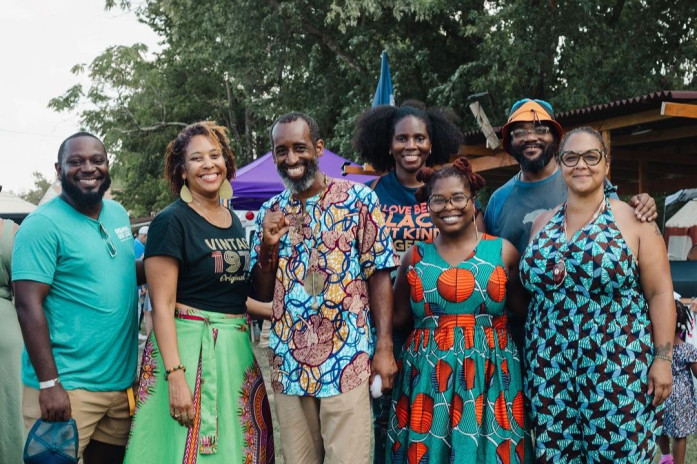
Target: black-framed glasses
point(437, 203)
point(106, 238)
point(591, 157)
point(537, 131)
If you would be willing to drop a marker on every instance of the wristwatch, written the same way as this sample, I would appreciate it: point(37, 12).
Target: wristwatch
point(49, 383)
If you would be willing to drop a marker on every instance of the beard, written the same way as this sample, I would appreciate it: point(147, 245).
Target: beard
point(85, 200)
point(296, 186)
point(538, 164)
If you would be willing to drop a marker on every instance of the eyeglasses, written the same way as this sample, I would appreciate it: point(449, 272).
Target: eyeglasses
point(437, 202)
point(537, 130)
point(111, 248)
point(590, 157)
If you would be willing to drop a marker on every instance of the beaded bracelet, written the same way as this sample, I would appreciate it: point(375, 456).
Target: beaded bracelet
point(179, 367)
point(665, 358)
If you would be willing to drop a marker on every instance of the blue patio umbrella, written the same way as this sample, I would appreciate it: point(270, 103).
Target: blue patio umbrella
point(384, 95)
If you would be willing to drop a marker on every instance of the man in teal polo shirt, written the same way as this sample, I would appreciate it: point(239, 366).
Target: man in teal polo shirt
point(75, 290)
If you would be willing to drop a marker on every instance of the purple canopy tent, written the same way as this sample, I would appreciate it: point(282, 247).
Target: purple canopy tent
point(259, 180)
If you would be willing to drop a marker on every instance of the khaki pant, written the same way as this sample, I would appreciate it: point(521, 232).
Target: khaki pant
point(104, 416)
point(338, 427)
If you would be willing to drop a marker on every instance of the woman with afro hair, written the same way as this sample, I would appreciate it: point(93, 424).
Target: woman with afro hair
point(398, 141)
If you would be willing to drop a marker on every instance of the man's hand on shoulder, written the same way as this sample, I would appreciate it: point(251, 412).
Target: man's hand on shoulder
point(644, 207)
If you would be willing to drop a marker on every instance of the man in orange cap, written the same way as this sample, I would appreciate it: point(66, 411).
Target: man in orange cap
point(532, 135)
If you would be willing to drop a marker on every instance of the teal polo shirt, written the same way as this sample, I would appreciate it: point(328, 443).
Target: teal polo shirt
point(91, 308)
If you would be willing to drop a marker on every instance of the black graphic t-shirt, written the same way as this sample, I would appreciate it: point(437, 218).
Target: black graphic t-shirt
point(213, 261)
point(408, 220)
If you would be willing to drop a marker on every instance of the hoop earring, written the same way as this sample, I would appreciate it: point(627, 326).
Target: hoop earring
point(225, 190)
point(185, 194)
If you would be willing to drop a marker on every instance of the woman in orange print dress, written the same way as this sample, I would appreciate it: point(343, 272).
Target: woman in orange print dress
point(458, 396)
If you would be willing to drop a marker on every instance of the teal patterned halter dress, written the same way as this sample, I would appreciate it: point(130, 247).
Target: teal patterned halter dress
point(458, 395)
point(588, 346)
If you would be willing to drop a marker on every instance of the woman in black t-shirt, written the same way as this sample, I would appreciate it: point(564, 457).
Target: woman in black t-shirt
point(200, 390)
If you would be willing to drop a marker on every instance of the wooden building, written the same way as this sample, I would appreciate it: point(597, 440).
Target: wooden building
point(652, 140)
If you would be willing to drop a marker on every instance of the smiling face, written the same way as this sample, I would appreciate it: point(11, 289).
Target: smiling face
point(582, 178)
point(453, 219)
point(532, 151)
point(295, 155)
point(84, 172)
point(204, 166)
point(411, 144)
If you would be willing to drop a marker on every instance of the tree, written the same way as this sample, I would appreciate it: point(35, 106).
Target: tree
point(41, 185)
point(245, 62)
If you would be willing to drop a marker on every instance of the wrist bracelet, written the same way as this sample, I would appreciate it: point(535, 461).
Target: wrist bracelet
point(665, 358)
point(49, 383)
point(179, 367)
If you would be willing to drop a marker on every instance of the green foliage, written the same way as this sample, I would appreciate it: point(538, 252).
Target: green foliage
point(41, 185)
point(245, 62)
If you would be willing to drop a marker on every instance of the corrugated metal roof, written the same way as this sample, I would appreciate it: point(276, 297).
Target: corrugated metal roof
point(605, 110)
point(625, 106)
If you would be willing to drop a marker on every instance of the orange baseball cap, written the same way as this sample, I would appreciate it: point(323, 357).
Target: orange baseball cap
point(528, 110)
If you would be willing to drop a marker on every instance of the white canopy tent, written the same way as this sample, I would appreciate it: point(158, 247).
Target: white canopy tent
point(681, 231)
point(12, 207)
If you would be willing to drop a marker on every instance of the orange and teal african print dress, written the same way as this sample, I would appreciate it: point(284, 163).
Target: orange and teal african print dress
point(458, 395)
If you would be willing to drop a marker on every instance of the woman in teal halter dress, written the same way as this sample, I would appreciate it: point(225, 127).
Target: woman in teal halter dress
point(458, 395)
point(600, 322)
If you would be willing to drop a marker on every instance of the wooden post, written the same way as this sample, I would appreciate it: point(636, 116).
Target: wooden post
point(643, 176)
point(608, 144)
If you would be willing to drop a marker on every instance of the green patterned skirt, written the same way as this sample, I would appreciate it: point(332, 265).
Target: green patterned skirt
point(233, 418)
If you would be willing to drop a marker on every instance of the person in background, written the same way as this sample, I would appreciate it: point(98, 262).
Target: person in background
point(11, 344)
point(144, 306)
point(680, 415)
point(692, 254)
point(599, 330)
point(399, 141)
point(75, 291)
point(201, 395)
point(323, 255)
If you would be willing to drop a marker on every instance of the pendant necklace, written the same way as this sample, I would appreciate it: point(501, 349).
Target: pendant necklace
point(315, 279)
point(205, 213)
point(559, 268)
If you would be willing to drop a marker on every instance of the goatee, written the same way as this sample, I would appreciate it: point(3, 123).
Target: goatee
point(538, 164)
point(296, 186)
point(85, 200)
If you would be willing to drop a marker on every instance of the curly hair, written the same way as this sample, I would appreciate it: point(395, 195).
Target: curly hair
point(460, 168)
point(375, 130)
point(175, 159)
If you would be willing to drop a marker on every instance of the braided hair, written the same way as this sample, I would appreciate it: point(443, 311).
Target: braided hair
point(684, 320)
point(460, 168)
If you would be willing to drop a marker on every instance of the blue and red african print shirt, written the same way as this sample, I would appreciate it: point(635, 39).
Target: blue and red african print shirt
point(322, 344)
